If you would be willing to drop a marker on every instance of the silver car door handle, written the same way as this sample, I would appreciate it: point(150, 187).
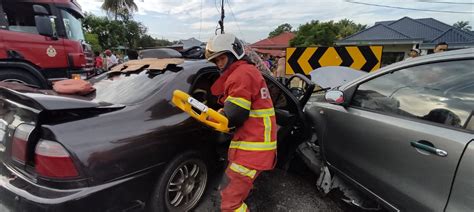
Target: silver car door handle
point(424, 145)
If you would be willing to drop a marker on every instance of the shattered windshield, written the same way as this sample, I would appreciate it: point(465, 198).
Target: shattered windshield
point(130, 89)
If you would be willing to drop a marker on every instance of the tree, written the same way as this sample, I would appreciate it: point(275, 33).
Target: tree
point(163, 42)
point(134, 31)
point(112, 33)
point(122, 8)
point(317, 33)
point(97, 26)
point(93, 40)
point(348, 27)
point(286, 27)
point(462, 25)
point(146, 41)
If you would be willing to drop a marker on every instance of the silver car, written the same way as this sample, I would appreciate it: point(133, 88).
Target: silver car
point(401, 136)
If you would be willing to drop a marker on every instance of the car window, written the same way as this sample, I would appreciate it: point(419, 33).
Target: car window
point(21, 17)
point(277, 95)
point(128, 89)
point(470, 124)
point(73, 25)
point(438, 92)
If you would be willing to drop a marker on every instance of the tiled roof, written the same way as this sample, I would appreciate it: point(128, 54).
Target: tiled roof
point(454, 36)
point(427, 29)
point(378, 32)
point(279, 41)
point(435, 23)
point(415, 29)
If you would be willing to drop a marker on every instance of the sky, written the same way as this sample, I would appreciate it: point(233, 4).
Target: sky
point(252, 20)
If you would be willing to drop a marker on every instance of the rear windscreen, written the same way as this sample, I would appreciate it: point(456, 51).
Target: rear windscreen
point(131, 88)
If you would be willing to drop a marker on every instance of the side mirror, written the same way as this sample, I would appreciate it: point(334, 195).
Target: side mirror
point(44, 26)
point(40, 10)
point(335, 97)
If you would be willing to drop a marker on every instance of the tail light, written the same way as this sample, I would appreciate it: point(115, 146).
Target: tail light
point(20, 139)
point(52, 160)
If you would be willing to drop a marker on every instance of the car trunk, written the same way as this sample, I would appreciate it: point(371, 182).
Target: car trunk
point(21, 117)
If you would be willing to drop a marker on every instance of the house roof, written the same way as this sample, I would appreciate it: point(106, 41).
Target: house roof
point(424, 30)
point(188, 43)
point(280, 41)
point(273, 52)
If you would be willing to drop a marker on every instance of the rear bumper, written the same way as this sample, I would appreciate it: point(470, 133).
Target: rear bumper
point(127, 194)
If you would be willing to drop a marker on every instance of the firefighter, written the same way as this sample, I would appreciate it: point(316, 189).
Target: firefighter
point(247, 104)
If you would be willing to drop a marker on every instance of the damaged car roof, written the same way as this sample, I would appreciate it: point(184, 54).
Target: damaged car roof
point(147, 63)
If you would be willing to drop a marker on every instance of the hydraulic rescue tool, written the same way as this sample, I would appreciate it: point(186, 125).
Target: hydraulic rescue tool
point(200, 111)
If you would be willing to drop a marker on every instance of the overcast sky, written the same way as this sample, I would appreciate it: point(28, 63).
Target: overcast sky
point(254, 19)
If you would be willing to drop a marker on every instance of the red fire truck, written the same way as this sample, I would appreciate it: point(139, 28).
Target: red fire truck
point(42, 41)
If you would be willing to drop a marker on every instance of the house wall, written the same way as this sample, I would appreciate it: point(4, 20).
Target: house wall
point(397, 48)
point(395, 53)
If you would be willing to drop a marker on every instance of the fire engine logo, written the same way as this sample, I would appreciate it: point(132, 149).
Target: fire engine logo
point(51, 51)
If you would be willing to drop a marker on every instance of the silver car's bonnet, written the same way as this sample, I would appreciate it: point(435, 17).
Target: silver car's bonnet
point(333, 76)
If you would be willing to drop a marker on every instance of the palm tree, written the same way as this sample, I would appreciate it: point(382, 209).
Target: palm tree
point(118, 7)
point(462, 25)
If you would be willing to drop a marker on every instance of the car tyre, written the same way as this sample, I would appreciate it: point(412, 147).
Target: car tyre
point(19, 76)
point(181, 185)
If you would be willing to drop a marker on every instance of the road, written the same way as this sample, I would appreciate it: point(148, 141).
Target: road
point(278, 190)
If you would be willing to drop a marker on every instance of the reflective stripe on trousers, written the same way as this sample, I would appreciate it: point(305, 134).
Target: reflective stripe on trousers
point(242, 208)
point(253, 146)
point(243, 170)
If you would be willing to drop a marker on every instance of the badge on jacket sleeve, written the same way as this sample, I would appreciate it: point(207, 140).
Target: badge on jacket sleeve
point(264, 93)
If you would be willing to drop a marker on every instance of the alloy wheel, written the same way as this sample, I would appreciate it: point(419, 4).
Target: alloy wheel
point(186, 185)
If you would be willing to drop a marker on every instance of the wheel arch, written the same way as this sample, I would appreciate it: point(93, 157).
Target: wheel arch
point(27, 68)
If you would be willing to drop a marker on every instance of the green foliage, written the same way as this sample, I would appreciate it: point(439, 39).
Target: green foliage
point(316, 33)
point(163, 42)
point(348, 27)
point(112, 33)
point(93, 40)
point(134, 31)
point(286, 27)
point(120, 8)
point(462, 25)
point(146, 41)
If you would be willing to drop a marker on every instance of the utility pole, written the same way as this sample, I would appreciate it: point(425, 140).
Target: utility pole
point(221, 22)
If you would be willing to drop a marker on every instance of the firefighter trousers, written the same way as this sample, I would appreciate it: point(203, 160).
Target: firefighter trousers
point(236, 185)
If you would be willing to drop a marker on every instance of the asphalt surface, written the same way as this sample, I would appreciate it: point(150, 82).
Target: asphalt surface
point(275, 191)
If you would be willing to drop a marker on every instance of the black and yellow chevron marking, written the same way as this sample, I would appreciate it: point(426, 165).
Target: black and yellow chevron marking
point(305, 59)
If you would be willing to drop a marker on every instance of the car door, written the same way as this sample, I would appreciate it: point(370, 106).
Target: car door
point(403, 133)
point(292, 129)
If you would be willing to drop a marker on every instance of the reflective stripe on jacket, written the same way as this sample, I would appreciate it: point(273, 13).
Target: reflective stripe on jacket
point(254, 143)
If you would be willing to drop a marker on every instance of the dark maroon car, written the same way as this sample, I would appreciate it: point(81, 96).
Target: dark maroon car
point(125, 146)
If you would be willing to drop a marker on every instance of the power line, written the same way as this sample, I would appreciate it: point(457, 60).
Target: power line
point(445, 2)
point(407, 8)
point(235, 19)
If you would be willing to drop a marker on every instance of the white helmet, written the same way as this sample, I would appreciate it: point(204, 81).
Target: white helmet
point(223, 43)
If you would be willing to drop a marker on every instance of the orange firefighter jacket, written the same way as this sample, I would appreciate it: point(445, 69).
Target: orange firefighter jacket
point(254, 143)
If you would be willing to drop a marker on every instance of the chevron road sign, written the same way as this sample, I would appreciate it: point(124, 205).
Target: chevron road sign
point(305, 59)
